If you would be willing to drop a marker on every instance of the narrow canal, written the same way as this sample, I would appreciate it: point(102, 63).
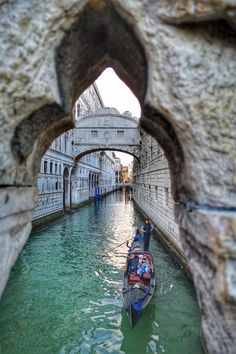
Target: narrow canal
point(64, 293)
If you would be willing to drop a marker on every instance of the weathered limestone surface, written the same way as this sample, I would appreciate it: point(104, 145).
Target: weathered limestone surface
point(16, 206)
point(208, 238)
point(184, 75)
point(180, 11)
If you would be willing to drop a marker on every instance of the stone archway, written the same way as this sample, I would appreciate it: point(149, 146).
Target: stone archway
point(186, 87)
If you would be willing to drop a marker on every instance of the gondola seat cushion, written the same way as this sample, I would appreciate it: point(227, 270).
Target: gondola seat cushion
point(134, 277)
point(146, 276)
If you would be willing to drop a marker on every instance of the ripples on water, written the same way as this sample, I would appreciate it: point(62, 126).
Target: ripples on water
point(64, 294)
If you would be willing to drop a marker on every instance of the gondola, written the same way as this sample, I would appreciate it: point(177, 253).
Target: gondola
point(138, 287)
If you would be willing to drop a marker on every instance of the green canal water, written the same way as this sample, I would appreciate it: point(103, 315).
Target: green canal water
point(64, 293)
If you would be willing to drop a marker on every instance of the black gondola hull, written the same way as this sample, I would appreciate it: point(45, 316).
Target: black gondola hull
point(138, 291)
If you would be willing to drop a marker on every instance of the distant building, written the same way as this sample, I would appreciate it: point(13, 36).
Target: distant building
point(130, 171)
point(64, 183)
point(125, 174)
point(118, 169)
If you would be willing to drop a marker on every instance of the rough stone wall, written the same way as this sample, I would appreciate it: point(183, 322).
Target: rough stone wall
point(152, 191)
point(16, 205)
point(178, 57)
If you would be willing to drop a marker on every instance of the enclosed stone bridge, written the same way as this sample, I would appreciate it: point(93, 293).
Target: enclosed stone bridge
point(107, 130)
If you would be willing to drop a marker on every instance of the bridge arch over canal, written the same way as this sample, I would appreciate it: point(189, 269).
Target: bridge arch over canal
point(107, 130)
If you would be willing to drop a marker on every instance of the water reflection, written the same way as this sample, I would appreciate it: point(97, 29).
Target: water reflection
point(139, 339)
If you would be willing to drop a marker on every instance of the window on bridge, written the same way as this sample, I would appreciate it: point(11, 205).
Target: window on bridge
point(94, 133)
point(120, 133)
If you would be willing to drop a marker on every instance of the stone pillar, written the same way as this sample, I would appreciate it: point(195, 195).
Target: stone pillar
point(208, 238)
point(16, 207)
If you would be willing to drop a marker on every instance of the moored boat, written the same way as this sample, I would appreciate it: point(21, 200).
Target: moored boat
point(139, 280)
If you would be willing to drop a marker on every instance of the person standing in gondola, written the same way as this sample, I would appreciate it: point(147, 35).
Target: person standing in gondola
point(147, 228)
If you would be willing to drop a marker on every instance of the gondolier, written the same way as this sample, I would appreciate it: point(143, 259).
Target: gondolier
point(147, 229)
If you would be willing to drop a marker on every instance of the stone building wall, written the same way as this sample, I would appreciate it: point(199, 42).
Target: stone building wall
point(91, 175)
point(152, 192)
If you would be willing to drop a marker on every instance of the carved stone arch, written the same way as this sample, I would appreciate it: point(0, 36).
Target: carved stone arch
point(189, 106)
point(83, 150)
point(92, 44)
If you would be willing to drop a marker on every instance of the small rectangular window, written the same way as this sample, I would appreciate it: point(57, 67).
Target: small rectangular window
point(166, 196)
point(94, 133)
point(55, 168)
point(51, 165)
point(120, 133)
point(156, 192)
point(45, 166)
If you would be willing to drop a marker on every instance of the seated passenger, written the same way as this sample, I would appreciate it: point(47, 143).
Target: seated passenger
point(143, 266)
point(138, 236)
point(133, 263)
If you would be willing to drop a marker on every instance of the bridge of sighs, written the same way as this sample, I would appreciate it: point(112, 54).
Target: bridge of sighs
point(107, 130)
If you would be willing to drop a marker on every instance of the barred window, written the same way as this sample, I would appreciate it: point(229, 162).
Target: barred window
point(94, 133)
point(166, 196)
point(120, 133)
point(156, 192)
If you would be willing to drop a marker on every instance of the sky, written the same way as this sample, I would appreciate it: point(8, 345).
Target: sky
point(116, 94)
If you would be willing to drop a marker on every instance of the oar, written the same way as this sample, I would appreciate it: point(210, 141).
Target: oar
point(112, 250)
point(120, 244)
